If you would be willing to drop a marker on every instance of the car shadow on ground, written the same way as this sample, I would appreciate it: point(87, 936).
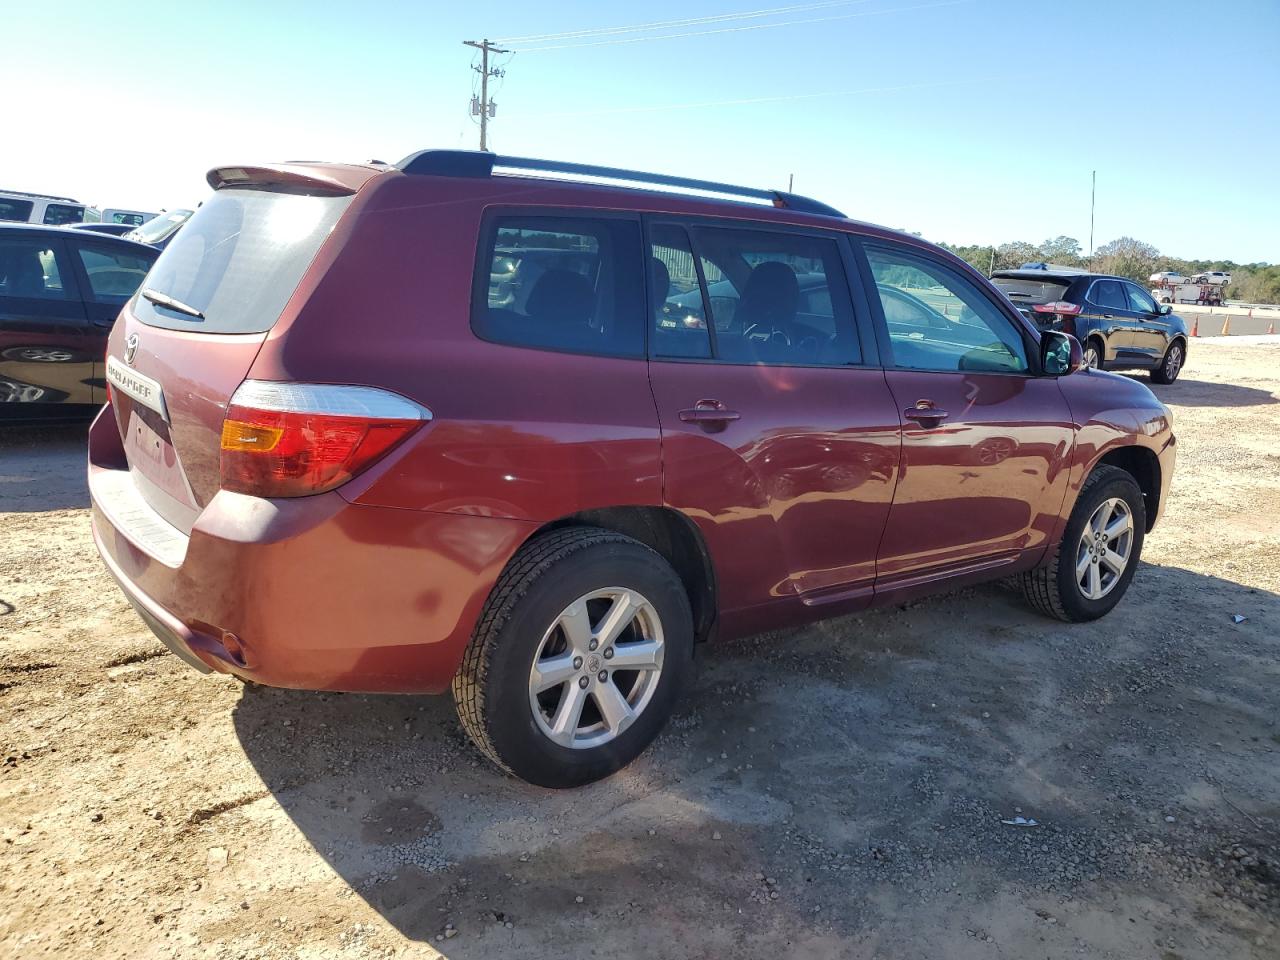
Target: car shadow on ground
point(822, 782)
point(43, 467)
point(1203, 393)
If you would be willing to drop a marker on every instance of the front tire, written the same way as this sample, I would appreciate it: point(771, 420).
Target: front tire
point(579, 656)
point(1094, 563)
point(1171, 364)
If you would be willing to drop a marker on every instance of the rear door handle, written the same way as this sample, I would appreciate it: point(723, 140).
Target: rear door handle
point(710, 413)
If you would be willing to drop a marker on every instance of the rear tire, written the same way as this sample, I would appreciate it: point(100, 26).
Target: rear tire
point(1094, 351)
point(1170, 364)
point(547, 621)
point(1056, 589)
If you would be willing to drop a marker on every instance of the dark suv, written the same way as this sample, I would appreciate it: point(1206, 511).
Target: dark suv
point(1119, 324)
point(407, 429)
point(60, 291)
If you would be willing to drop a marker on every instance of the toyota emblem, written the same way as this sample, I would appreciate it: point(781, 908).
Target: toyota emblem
point(130, 348)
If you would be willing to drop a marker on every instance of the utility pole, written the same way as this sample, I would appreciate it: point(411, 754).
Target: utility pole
point(791, 183)
point(1093, 196)
point(483, 107)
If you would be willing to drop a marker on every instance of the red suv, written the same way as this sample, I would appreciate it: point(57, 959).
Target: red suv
point(409, 428)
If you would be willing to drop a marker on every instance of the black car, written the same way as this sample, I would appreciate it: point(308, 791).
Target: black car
point(60, 291)
point(1119, 324)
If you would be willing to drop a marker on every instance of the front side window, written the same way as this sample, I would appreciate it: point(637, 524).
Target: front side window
point(1109, 294)
point(938, 320)
point(31, 268)
point(57, 214)
point(562, 283)
point(772, 298)
point(1139, 300)
point(114, 275)
point(18, 211)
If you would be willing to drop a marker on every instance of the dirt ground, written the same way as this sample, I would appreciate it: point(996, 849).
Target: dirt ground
point(836, 791)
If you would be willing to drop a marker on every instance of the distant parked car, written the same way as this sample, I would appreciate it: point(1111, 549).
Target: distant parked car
point(1167, 276)
point(158, 231)
point(1218, 278)
point(114, 229)
point(1120, 325)
point(18, 207)
point(132, 218)
point(60, 291)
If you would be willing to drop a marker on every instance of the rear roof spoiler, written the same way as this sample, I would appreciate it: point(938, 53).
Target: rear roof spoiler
point(295, 179)
point(472, 163)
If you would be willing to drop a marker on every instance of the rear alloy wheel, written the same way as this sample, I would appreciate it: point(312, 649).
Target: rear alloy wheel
point(1170, 366)
point(582, 650)
point(1093, 564)
point(1092, 357)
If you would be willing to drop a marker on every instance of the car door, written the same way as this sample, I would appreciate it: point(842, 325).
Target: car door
point(780, 437)
point(47, 349)
point(109, 274)
point(1150, 327)
point(985, 442)
point(1108, 313)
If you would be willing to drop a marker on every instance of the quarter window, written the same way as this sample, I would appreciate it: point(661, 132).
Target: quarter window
point(938, 320)
point(16, 210)
point(113, 275)
point(32, 269)
point(562, 283)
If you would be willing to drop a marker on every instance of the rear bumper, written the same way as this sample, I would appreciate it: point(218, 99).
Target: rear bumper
point(313, 592)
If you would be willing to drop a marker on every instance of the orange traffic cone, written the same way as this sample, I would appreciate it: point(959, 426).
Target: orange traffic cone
point(1226, 327)
point(1195, 327)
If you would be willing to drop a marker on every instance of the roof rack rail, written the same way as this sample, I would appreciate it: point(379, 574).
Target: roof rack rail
point(474, 163)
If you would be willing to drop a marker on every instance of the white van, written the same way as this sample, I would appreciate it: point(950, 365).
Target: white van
point(41, 208)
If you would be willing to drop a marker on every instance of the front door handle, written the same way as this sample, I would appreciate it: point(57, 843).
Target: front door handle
point(107, 322)
point(710, 414)
point(925, 413)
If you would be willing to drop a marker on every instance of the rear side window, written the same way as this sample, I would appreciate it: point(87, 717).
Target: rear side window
point(561, 283)
point(31, 268)
point(56, 214)
point(16, 210)
point(1109, 294)
point(769, 297)
point(238, 260)
point(114, 275)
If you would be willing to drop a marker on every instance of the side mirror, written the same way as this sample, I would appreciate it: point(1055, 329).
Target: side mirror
point(1060, 354)
point(1164, 309)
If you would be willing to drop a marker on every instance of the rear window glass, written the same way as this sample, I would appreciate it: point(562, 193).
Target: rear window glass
point(18, 210)
point(238, 260)
point(562, 283)
point(57, 214)
point(1031, 291)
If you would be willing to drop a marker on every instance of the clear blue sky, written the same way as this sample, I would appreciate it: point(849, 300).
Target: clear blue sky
point(971, 121)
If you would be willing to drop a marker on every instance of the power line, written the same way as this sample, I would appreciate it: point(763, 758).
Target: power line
point(697, 104)
point(743, 29)
point(685, 22)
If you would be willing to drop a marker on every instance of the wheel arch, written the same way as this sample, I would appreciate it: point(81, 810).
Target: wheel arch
point(1144, 466)
point(673, 536)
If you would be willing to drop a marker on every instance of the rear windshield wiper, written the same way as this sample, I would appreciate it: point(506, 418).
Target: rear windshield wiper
point(164, 300)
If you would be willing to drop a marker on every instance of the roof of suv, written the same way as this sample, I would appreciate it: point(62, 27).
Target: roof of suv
point(1059, 274)
point(60, 231)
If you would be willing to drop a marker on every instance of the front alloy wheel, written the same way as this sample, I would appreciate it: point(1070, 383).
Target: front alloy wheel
point(1103, 552)
point(1170, 366)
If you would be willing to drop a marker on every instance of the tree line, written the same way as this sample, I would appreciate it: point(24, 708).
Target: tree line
point(1124, 257)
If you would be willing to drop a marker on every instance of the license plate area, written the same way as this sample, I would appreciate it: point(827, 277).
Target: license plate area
point(150, 451)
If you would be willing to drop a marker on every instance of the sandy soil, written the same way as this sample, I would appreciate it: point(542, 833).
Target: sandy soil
point(833, 791)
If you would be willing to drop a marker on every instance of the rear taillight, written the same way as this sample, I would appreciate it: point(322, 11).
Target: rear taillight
point(1062, 308)
point(296, 439)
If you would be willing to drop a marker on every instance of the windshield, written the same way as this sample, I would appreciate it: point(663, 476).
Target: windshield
point(157, 228)
point(237, 261)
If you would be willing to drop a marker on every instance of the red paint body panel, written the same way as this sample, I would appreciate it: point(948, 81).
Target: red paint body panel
point(821, 498)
